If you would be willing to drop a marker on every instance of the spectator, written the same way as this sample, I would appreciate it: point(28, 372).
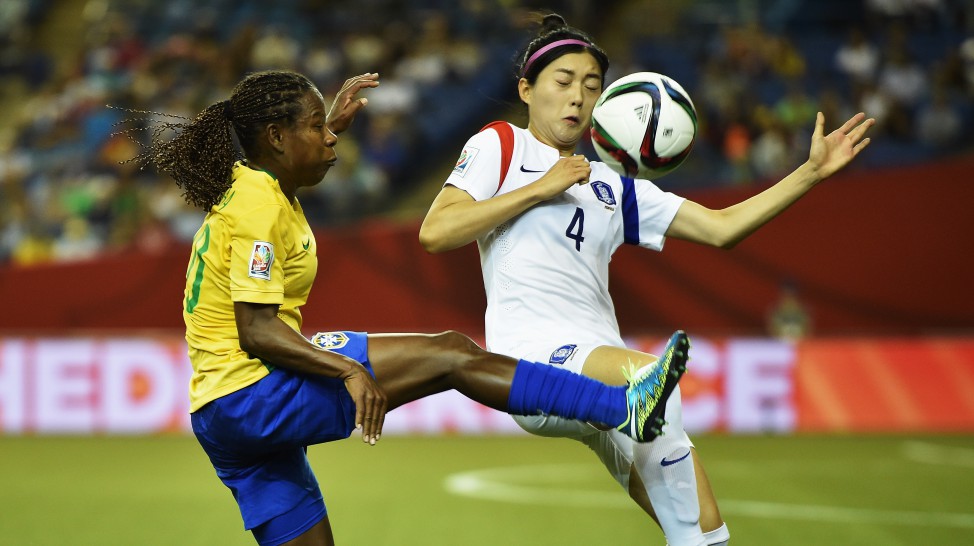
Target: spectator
point(857, 58)
point(939, 123)
point(173, 58)
point(34, 246)
point(426, 63)
point(770, 155)
point(796, 109)
point(788, 319)
point(275, 49)
point(786, 62)
point(737, 149)
point(870, 98)
point(352, 183)
point(76, 242)
point(903, 79)
point(834, 105)
point(967, 57)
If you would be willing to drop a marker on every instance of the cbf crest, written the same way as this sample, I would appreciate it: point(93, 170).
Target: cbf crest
point(330, 340)
point(562, 354)
point(604, 192)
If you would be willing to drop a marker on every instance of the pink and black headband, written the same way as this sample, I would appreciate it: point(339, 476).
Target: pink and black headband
point(549, 47)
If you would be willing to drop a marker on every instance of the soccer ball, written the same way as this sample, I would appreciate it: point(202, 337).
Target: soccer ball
point(643, 125)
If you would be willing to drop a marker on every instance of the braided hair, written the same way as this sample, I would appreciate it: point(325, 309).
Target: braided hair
point(554, 29)
point(200, 157)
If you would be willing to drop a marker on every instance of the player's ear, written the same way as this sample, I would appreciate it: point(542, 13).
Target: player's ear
point(524, 90)
point(275, 137)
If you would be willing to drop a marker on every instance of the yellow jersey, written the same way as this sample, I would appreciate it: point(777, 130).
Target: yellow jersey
point(254, 246)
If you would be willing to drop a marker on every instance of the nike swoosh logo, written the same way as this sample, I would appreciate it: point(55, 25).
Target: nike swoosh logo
point(523, 170)
point(664, 462)
point(306, 244)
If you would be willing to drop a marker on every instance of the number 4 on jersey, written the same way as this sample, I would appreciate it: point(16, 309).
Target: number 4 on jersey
point(576, 227)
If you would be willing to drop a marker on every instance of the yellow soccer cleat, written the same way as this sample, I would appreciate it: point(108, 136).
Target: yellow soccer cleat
point(650, 387)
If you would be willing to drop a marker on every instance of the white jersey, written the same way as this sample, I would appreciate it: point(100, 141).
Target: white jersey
point(546, 271)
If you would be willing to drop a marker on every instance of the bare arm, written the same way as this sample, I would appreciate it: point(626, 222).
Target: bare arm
point(456, 219)
point(726, 227)
point(264, 335)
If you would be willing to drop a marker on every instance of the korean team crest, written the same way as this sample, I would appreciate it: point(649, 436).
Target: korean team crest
point(330, 340)
point(604, 192)
point(261, 259)
point(562, 354)
point(466, 158)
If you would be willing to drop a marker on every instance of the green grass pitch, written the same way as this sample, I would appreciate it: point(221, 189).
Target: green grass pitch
point(795, 490)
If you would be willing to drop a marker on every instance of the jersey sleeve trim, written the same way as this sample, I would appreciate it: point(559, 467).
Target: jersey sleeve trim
point(630, 212)
point(506, 135)
point(647, 213)
point(257, 296)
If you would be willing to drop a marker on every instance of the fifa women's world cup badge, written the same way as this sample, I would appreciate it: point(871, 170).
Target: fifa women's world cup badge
point(261, 259)
point(466, 158)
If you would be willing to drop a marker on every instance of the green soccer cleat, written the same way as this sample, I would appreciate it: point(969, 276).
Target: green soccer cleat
point(650, 388)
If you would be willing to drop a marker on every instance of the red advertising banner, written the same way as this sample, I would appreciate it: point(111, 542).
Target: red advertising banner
point(924, 384)
point(138, 385)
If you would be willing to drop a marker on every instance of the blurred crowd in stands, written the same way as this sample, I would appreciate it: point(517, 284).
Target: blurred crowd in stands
point(758, 81)
point(758, 71)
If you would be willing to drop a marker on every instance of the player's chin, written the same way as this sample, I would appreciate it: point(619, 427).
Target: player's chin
point(317, 177)
point(573, 135)
point(326, 166)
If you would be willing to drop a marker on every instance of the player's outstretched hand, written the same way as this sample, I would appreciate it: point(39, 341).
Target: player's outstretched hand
point(345, 106)
point(370, 404)
point(832, 152)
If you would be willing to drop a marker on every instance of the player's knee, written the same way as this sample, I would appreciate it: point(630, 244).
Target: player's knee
point(456, 347)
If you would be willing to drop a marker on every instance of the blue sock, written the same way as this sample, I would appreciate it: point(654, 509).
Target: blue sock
point(555, 391)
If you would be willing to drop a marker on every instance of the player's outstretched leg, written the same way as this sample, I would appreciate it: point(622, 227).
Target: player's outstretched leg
point(650, 388)
point(411, 366)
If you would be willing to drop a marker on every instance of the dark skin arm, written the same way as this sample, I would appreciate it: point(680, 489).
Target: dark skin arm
point(264, 335)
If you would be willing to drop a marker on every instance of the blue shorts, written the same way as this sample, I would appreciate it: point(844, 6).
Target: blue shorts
point(257, 440)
